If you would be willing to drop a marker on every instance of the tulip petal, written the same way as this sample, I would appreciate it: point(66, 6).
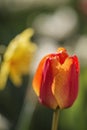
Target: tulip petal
point(46, 95)
point(73, 80)
point(65, 84)
point(38, 77)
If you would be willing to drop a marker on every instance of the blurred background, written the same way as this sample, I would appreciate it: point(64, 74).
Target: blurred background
point(56, 23)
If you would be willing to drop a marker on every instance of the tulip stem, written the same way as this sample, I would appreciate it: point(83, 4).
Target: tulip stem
point(55, 119)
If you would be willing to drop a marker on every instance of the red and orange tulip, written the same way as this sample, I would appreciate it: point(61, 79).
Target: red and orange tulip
point(56, 79)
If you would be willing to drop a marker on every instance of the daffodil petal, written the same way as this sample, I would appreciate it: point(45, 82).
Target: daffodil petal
point(20, 41)
point(16, 78)
point(4, 72)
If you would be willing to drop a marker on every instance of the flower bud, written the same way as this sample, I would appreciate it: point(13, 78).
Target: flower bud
point(56, 79)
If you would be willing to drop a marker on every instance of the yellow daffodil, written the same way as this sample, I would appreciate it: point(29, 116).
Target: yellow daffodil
point(17, 58)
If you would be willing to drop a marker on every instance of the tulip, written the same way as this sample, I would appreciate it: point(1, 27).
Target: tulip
point(56, 80)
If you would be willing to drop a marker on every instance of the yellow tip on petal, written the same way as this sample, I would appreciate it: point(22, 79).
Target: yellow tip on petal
point(61, 49)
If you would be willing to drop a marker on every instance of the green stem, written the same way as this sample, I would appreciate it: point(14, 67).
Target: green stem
point(55, 119)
